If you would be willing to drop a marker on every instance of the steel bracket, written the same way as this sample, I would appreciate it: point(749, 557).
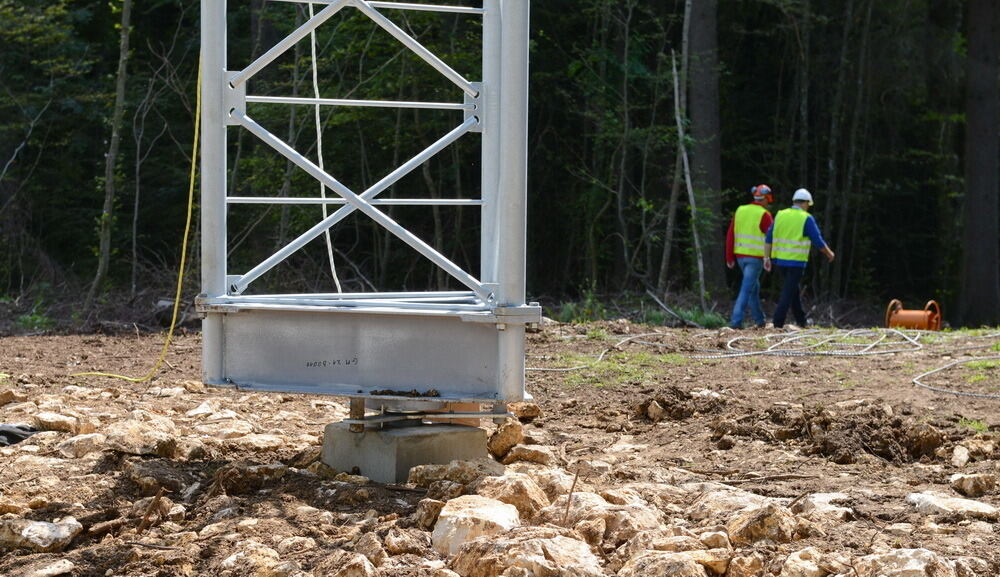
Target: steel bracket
point(234, 100)
point(478, 108)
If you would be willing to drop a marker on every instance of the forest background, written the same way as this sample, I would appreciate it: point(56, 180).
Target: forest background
point(887, 110)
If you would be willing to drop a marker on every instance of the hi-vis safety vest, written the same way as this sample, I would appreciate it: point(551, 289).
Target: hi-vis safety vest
point(748, 239)
point(788, 240)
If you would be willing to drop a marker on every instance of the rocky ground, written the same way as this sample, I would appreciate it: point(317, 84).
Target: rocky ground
point(634, 459)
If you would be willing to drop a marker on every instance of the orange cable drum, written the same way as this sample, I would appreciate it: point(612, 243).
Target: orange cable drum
point(929, 319)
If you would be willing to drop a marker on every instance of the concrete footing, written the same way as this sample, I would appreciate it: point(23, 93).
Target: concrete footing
point(386, 455)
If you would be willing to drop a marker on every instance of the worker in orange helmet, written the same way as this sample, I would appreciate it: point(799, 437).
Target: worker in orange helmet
point(745, 246)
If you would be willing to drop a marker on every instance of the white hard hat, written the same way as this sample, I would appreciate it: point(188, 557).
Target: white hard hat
point(802, 194)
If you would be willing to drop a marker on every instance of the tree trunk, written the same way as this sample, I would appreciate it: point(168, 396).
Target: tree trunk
point(860, 111)
point(980, 300)
point(698, 254)
point(623, 269)
point(675, 190)
point(833, 188)
point(806, 25)
point(705, 131)
point(111, 161)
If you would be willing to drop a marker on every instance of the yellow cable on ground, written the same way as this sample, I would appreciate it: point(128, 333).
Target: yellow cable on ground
point(184, 245)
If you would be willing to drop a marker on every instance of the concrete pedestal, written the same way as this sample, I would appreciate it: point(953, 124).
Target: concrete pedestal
point(386, 455)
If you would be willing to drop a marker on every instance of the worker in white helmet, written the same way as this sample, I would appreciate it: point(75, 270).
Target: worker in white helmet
point(794, 232)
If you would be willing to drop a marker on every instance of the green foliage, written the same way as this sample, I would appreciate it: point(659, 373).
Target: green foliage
point(588, 308)
point(983, 365)
point(36, 321)
point(707, 319)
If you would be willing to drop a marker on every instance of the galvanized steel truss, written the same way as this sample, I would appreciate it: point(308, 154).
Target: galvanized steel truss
point(496, 107)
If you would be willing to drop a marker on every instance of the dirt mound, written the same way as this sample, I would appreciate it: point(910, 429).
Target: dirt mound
point(842, 434)
point(677, 404)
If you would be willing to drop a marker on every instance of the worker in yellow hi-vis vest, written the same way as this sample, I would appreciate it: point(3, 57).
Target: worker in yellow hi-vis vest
point(794, 232)
point(745, 247)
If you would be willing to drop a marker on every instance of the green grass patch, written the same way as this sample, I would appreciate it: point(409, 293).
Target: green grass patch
point(617, 368)
point(977, 378)
point(848, 385)
point(597, 334)
point(983, 365)
point(4, 377)
point(973, 424)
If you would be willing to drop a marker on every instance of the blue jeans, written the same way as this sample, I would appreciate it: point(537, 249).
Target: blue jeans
point(749, 292)
point(790, 297)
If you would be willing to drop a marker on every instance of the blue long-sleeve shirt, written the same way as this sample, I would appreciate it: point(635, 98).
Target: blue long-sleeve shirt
point(810, 230)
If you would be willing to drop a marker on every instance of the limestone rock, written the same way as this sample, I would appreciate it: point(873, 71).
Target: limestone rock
point(960, 456)
point(904, 563)
point(622, 521)
point(295, 544)
point(592, 530)
point(140, 438)
point(80, 445)
point(746, 564)
point(980, 448)
point(528, 552)
point(662, 563)
point(48, 569)
point(715, 540)
point(258, 442)
point(971, 567)
point(768, 522)
point(715, 561)
point(345, 564)
point(8, 396)
point(469, 517)
point(973, 485)
point(370, 546)
point(822, 505)
point(445, 490)
point(401, 541)
point(526, 412)
point(55, 422)
point(462, 472)
point(554, 482)
point(722, 502)
point(427, 513)
point(507, 435)
point(226, 429)
point(661, 540)
point(38, 535)
point(531, 453)
point(655, 412)
point(252, 558)
point(934, 503)
point(804, 563)
point(515, 489)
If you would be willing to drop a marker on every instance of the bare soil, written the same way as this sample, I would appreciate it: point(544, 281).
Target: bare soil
point(777, 426)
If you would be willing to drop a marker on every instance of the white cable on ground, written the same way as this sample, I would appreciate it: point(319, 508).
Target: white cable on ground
point(916, 380)
point(319, 148)
point(796, 344)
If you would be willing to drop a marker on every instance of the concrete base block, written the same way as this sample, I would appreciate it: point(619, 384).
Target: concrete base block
point(386, 455)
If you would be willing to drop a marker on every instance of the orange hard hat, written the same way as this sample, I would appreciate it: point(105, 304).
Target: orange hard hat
point(761, 192)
